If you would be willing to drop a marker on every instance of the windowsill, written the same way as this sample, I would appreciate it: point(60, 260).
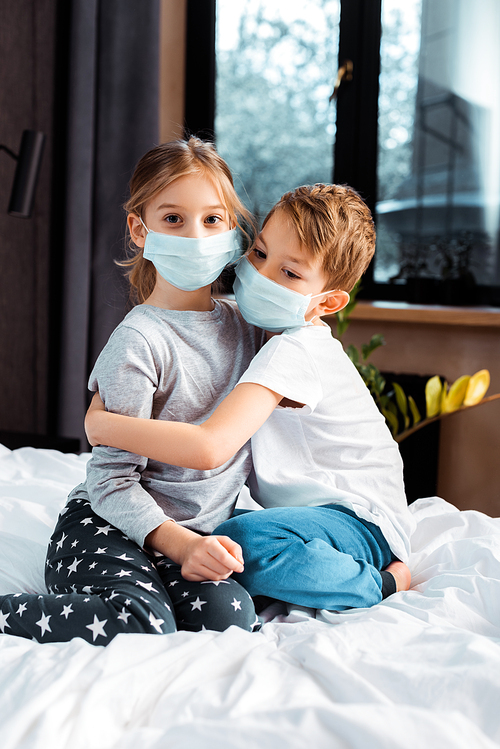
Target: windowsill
point(432, 314)
point(488, 317)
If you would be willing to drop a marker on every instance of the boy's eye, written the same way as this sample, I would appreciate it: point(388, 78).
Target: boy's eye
point(289, 274)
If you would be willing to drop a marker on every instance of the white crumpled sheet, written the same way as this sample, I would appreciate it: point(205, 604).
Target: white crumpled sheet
point(421, 669)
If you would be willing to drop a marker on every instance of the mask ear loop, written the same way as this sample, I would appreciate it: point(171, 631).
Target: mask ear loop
point(144, 225)
point(331, 291)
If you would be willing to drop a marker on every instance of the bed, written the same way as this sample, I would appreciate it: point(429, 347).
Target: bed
point(421, 669)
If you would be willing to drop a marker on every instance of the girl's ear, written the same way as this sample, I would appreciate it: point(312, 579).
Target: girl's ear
point(334, 302)
point(136, 229)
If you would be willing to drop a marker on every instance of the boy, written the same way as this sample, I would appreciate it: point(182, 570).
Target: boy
point(336, 530)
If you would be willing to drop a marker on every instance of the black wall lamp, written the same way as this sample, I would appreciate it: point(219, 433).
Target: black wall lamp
point(28, 167)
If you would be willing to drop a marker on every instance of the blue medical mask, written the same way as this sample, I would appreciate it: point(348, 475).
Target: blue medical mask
point(267, 304)
point(189, 263)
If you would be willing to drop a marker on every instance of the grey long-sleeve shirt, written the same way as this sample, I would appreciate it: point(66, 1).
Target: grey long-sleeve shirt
point(178, 366)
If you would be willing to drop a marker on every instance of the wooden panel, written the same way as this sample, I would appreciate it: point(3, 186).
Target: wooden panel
point(172, 68)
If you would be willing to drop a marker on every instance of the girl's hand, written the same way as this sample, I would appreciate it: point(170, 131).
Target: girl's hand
point(200, 557)
point(211, 558)
point(92, 419)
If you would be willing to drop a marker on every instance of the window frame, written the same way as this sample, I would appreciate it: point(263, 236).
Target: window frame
point(199, 94)
point(355, 148)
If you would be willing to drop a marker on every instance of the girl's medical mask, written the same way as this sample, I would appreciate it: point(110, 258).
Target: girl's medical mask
point(189, 263)
point(267, 304)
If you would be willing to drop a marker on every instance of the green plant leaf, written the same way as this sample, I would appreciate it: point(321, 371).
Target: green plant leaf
point(373, 379)
point(402, 403)
point(392, 420)
point(342, 325)
point(388, 405)
point(368, 348)
point(353, 354)
point(444, 393)
point(383, 401)
point(370, 370)
point(379, 383)
point(401, 398)
point(414, 411)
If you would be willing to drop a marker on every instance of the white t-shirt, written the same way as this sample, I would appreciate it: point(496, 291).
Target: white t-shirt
point(337, 447)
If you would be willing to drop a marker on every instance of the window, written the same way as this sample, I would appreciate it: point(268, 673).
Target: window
point(398, 83)
point(416, 131)
point(438, 203)
point(276, 63)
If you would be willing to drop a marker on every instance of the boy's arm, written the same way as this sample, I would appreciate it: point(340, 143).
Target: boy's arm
point(202, 447)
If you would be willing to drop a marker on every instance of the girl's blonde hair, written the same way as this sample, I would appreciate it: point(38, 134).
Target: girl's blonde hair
point(333, 223)
point(158, 168)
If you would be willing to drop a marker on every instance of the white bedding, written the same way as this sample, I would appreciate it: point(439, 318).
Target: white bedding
point(421, 669)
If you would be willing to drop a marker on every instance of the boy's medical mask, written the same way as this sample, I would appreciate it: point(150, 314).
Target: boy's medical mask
point(189, 263)
point(267, 304)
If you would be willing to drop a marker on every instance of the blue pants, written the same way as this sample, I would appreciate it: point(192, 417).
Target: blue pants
point(320, 557)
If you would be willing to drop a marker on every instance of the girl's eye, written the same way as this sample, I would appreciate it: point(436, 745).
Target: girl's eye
point(213, 219)
point(259, 253)
point(172, 219)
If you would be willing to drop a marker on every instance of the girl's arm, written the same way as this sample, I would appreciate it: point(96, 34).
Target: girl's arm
point(113, 476)
point(200, 446)
point(200, 557)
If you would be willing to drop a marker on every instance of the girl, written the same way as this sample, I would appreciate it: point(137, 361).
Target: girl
point(137, 528)
point(325, 464)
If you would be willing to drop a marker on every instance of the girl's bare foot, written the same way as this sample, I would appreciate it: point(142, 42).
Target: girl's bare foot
point(401, 574)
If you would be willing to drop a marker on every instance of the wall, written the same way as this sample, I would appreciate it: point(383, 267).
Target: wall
point(27, 38)
point(469, 469)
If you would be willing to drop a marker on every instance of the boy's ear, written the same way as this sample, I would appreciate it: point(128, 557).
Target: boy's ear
point(136, 229)
point(334, 302)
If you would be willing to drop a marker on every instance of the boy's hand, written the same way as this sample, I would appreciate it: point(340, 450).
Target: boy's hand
point(96, 406)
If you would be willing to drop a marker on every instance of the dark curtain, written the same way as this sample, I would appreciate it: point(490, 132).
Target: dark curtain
point(112, 119)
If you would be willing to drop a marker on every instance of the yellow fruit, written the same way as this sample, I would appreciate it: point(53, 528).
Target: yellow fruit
point(433, 391)
point(456, 394)
point(478, 385)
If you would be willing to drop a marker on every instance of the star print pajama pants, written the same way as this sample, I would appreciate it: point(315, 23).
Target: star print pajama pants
point(101, 583)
